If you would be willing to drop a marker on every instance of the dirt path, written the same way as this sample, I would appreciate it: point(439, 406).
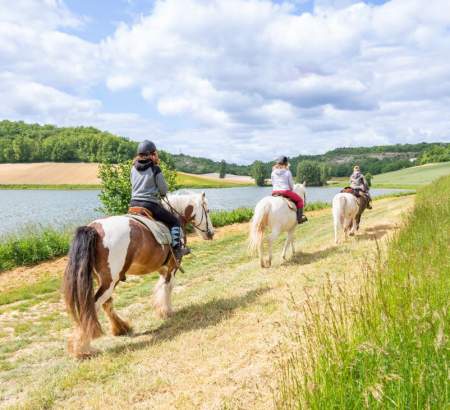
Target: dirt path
point(217, 352)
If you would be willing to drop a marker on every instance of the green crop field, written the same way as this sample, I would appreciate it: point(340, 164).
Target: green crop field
point(413, 176)
point(194, 181)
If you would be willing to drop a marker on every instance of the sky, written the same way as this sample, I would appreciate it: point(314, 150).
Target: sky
point(231, 79)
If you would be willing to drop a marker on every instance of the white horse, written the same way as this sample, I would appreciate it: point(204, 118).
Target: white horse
point(274, 213)
point(345, 210)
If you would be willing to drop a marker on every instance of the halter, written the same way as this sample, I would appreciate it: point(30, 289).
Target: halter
point(204, 215)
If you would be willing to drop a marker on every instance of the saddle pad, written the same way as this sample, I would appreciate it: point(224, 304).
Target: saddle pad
point(159, 230)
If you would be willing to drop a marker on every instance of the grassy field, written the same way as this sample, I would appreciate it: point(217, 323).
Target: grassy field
point(412, 177)
point(198, 181)
point(219, 350)
point(408, 178)
point(387, 344)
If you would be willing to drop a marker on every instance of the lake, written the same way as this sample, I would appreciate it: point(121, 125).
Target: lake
point(26, 209)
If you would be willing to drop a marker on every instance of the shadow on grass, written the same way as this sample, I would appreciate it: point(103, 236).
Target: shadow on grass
point(305, 258)
point(192, 317)
point(375, 232)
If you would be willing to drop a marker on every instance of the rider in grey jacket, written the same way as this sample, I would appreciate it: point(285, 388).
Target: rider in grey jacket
point(148, 186)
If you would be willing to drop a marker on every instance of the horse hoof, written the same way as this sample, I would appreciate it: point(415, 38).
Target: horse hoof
point(124, 330)
point(164, 313)
point(91, 353)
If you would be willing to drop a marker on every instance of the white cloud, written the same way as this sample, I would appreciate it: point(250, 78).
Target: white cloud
point(243, 76)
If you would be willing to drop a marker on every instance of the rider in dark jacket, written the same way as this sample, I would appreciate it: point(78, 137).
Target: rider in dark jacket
point(148, 187)
point(359, 184)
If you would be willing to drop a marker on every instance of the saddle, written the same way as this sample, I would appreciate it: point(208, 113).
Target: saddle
point(145, 217)
point(138, 210)
point(357, 192)
point(289, 202)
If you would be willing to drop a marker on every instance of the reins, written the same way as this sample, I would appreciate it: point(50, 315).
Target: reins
point(204, 215)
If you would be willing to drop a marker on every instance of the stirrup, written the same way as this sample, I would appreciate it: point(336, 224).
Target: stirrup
point(180, 252)
point(302, 220)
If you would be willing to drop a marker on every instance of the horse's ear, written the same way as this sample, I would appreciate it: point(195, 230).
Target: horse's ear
point(304, 184)
point(203, 194)
point(188, 213)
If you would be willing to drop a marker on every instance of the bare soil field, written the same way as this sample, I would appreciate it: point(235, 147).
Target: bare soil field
point(49, 173)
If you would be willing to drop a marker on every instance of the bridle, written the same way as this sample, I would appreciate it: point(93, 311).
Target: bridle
point(196, 226)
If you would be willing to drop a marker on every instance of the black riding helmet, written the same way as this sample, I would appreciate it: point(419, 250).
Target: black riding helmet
point(282, 160)
point(146, 147)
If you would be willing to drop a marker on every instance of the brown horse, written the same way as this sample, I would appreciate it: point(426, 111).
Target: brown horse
point(111, 248)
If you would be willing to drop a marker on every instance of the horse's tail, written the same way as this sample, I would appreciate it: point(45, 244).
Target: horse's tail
point(78, 281)
point(339, 209)
point(258, 224)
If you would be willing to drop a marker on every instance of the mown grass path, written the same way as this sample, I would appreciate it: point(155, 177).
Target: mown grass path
point(220, 348)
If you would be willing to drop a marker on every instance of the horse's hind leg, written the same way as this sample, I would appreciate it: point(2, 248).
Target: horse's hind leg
point(118, 326)
point(261, 252)
point(273, 235)
point(80, 342)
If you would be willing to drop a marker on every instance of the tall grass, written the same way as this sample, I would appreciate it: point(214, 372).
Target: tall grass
point(223, 218)
point(388, 345)
point(240, 215)
point(33, 246)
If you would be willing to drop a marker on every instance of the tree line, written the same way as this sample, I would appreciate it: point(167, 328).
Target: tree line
point(20, 142)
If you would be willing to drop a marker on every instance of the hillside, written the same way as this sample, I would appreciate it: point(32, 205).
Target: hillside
point(219, 350)
point(420, 175)
point(21, 142)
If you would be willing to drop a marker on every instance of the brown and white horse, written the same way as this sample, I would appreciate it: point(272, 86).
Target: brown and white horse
point(111, 248)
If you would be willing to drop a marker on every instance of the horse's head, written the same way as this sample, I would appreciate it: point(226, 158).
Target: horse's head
point(201, 220)
point(300, 189)
point(193, 209)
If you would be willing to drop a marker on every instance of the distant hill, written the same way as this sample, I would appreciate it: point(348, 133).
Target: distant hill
point(25, 143)
point(199, 165)
point(420, 175)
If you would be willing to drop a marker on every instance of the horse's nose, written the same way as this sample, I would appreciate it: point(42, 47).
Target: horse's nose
point(210, 235)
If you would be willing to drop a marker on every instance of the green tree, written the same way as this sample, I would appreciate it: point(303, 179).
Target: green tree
point(309, 172)
point(115, 194)
point(369, 179)
point(325, 173)
point(258, 172)
point(436, 153)
point(223, 169)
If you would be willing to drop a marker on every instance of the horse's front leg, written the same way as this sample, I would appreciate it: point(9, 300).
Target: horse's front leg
point(163, 294)
point(291, 236)
point(353, 227)
point(286, 244)
point(289, 241)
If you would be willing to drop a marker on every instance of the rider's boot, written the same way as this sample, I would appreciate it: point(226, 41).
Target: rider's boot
point(178, 249)
point(369, 203)
point(300, 217)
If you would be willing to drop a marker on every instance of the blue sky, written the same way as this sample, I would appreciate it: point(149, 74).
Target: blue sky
point(234, 79)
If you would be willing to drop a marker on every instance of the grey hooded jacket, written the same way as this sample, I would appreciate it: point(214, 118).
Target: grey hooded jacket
point(148, 184)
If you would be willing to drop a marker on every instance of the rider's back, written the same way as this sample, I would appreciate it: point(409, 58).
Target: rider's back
point(147, 184)
point(282, 179)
